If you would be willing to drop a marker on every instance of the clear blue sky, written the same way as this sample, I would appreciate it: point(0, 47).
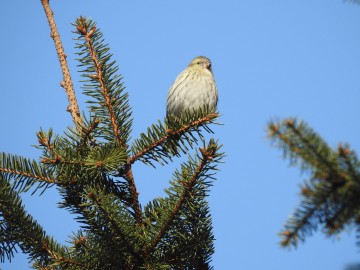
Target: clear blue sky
point(271, 59)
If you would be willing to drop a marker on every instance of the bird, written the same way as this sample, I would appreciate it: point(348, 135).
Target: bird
point(193, 89)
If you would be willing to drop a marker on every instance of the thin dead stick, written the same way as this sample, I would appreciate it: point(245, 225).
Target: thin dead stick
point(67, 82)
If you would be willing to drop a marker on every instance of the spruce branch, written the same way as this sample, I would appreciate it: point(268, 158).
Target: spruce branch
point(191, 183)
point(63, 263)
point(109, 226)
point(161, 143)
point(46, 141)
point(109, 208)
point(106, 88)
point(17, 228)
point(331, 196)
point(304, 221)
point(25, 172)
point(103, 84)
point(67, 81)
point(301, 143)
point(100, 78)
point(107, 158)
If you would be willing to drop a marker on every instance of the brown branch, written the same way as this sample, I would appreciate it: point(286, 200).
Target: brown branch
point(207, 155)
point(171, 134)
point(46, 179)
point(67, 82)
point(55, 258)
point(134, 194)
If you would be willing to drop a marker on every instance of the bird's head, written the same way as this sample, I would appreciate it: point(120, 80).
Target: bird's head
point(202, 62)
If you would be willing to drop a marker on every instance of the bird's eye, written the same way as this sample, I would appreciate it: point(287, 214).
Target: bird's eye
point(198, 63)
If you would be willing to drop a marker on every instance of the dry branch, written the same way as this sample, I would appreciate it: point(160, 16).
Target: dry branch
point(73, 107)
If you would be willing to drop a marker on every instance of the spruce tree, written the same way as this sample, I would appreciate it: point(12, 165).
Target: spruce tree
point(91, 164)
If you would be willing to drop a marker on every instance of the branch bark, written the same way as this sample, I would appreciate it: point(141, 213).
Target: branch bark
point(66, 83)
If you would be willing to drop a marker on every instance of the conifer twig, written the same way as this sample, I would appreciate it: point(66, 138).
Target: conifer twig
point(292, 234)
point(20, 229)
point(330, 184)
point(207, 155)
point(88, 33)
point(118, 230)
point(100, 78)
point(172, 133)
point(66, 83)
point(37, 177)
point(307, 144)
point(59, 259)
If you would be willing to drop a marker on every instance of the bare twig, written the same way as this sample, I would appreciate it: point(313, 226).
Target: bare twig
point(67, 82)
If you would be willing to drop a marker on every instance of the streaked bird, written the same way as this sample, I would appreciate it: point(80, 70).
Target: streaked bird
point(193, 89)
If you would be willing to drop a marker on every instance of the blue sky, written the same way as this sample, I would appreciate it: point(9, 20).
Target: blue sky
point(271, 59)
